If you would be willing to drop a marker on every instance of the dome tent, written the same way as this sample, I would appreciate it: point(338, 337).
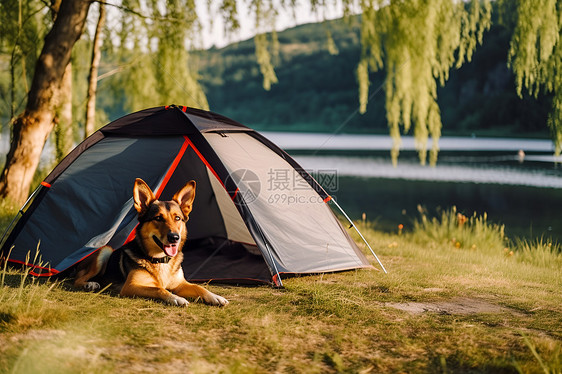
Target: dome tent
point(243, 227)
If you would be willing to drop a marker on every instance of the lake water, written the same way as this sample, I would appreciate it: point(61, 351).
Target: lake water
point(490, 175)
point(474, 174)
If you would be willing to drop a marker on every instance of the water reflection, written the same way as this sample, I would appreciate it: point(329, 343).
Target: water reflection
point(517, 182)
point(472, 169)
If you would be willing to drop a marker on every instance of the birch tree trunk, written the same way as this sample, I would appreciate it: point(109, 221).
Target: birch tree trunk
point(64, 134)
point(90, 123)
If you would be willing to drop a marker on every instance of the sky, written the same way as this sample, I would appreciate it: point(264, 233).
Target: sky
point(213, 26)
point(286, 19)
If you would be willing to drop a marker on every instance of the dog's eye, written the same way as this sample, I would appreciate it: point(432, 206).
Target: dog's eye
point(177, 218)
point(159, 218)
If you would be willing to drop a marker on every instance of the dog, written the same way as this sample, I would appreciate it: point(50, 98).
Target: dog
point(150, 265)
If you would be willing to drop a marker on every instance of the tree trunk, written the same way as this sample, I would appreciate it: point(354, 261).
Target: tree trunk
point(64, 137)
point(90, 124)
point(32, 127)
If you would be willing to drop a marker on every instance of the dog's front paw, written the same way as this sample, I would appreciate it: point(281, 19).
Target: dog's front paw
point(92, 286)
point(176, 301)
point(214, 299)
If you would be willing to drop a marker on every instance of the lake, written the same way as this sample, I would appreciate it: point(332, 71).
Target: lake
point(474, 174)
point(522, 190)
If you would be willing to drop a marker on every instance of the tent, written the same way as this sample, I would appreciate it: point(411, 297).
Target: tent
point(257, 214)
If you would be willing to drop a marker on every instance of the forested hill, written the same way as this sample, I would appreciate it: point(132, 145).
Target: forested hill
point(318, 91)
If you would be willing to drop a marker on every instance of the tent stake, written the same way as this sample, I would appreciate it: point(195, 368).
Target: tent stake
point(359, 232)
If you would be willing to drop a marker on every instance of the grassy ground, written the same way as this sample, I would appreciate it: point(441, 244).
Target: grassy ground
point(457, 298)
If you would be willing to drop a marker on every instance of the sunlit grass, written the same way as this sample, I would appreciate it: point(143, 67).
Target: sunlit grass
point(540, 252)
point(460, 231)
point(330, 323)
point(24, 299)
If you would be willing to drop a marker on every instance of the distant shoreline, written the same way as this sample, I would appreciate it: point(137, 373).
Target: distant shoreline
point(348, 142)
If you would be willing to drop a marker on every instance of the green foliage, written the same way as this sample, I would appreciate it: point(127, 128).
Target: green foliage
point(80, 69)
point(539, 252)
point(159, 72)
point(317, 91)
point(417, 42)
point(176, 82)
point(265, 14)
point(412, 44)
point(459, 231)
point(22, 27)
point(535, 54)
point(264, 60)
point(9, 210)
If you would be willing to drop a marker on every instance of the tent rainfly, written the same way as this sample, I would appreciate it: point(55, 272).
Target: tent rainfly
point(245, 225)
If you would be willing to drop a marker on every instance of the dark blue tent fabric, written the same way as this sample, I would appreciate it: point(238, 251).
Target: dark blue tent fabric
point(92, 199)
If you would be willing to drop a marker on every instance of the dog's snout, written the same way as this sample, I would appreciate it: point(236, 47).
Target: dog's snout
point(173, 237)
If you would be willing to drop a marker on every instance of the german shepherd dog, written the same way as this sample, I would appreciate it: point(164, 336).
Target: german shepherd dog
point(150, 265)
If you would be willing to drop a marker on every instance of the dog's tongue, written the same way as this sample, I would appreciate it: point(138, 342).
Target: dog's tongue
point(171, 249)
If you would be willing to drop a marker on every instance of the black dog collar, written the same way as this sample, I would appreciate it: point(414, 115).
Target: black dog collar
point(159, 260)
point(134, 247)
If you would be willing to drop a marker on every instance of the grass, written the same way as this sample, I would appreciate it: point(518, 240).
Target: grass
point(351, 322)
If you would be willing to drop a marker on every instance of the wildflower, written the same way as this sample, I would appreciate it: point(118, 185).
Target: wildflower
point(400, 227)
point(393, 245)
point(457, 244)
point(461, 219)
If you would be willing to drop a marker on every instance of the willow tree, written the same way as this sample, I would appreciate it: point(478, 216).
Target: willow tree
point(535, 55)
point(172, 30)
point(417, 42)
point(152, 58)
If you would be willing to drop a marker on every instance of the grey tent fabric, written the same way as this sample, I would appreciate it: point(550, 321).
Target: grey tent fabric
point(278, 196)
point(257, 214)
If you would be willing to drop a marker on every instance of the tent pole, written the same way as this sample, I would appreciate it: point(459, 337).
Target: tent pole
point(359, 232)
point(274, 266)
point(263, 238)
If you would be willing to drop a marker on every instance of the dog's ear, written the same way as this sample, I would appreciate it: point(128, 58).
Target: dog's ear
point(142, 195)
point(185, 197)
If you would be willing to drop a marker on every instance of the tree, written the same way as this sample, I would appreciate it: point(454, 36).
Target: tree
point(172, 29)
point(417, 42)
point(21, 32)
point(89, 124)
point(535, 54)
point(62, 121)
point(33, 126)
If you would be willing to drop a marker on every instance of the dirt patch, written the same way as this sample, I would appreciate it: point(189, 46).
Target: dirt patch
point(455, 306)
point(38, 335)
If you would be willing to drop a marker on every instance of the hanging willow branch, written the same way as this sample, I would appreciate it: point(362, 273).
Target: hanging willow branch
point(535, 55)
point(265, 16)
point(417, 42)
